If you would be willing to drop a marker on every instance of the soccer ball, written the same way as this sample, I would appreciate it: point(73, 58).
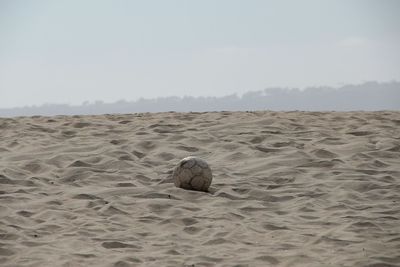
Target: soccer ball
point(192, 173)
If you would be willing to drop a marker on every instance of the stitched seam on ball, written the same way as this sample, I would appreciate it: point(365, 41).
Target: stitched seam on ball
point(190, 181)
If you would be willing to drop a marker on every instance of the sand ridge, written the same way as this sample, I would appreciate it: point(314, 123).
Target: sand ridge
point(289, 189)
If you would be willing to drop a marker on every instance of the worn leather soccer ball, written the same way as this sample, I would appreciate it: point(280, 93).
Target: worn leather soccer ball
point(192, 173)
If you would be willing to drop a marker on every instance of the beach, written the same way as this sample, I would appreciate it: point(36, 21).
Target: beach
point(289, 189)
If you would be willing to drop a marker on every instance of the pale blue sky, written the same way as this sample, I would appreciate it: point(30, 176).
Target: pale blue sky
point(76, 51)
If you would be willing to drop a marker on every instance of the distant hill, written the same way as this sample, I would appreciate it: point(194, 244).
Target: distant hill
point(368, 96)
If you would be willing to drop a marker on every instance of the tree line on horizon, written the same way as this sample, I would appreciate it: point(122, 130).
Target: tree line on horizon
point(368, 96)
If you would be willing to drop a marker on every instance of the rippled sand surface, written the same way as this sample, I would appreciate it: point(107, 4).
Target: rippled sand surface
point(289, 189)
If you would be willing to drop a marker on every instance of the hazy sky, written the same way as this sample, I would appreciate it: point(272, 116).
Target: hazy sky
point(73, 51)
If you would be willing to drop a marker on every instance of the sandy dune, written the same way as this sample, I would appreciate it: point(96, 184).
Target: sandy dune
point(289, 189)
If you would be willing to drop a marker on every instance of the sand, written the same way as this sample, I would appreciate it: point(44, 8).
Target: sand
point(289, 189)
